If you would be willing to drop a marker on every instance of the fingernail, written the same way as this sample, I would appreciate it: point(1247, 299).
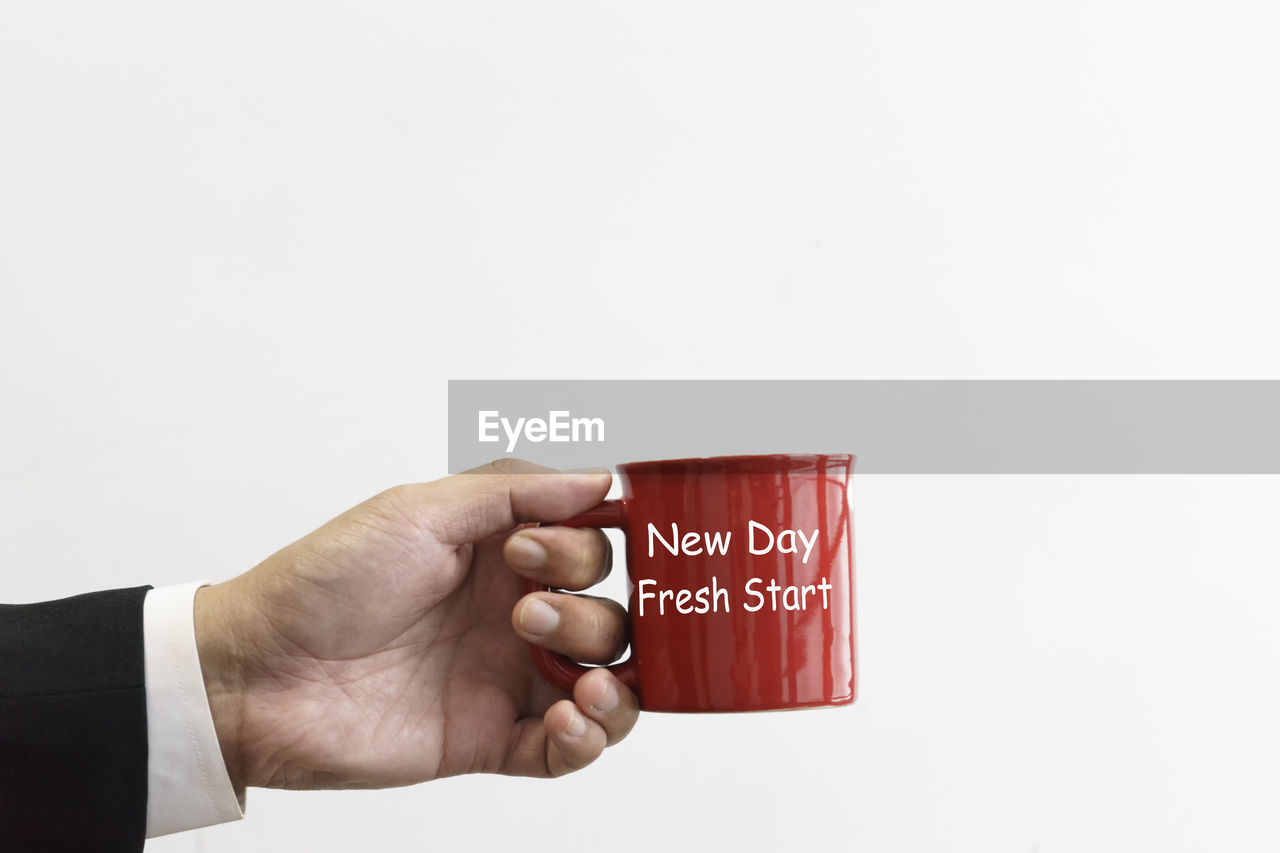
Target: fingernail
point(524, 552)
point(577, 725)
point(596, 470)
point(538, 618)
point(608, 698)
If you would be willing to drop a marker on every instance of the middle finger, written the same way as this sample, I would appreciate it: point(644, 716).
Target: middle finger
point(563, 557)
point(592, 630)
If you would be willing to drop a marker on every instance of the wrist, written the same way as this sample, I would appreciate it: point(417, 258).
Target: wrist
point(221, 665)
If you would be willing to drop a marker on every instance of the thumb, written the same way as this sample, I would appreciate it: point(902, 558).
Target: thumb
point(496, 497)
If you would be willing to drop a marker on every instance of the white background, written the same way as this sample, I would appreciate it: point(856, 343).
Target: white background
point(244, 245)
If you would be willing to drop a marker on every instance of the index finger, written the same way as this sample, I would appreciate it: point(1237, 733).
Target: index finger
point(498, 496)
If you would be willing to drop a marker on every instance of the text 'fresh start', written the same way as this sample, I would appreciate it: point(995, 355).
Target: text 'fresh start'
point(714, 598)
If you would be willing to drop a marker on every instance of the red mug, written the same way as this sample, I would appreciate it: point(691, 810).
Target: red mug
point(740, 583)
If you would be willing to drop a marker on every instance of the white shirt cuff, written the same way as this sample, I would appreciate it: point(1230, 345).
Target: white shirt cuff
point(187, 782)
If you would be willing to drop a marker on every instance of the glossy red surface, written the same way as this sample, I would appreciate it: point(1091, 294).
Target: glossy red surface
point(730, 658)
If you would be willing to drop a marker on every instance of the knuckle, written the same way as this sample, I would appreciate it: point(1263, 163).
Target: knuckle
point(605, 551)
point(504, 465)
point(592, 557)
point(399, 498)
point(587, 553)
point(609, 625)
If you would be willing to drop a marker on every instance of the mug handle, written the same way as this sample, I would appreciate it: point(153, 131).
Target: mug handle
point(556, 668)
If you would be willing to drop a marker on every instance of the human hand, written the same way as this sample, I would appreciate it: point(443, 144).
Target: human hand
point(379, 650)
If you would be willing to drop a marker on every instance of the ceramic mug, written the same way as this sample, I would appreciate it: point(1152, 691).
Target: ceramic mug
point(740, 583)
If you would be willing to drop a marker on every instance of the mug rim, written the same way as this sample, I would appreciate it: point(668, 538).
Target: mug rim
point(762, 463)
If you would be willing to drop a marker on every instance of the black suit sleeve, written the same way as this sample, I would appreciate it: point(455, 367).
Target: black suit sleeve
point(73, 724)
